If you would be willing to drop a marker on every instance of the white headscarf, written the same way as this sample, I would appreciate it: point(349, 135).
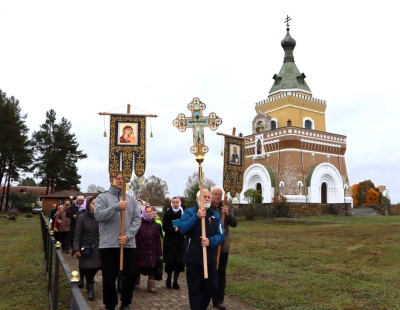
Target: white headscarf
point(179, 208)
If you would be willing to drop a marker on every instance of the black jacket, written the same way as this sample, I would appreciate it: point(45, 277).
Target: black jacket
point(87, 233)
point(174, 242)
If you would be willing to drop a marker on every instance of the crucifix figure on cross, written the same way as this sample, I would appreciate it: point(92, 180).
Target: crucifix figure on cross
point(197, 122)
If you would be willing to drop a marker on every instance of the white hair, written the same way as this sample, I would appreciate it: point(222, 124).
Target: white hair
point(80, 198)
point(206, 205)
point(217, 188)
point(198, 193)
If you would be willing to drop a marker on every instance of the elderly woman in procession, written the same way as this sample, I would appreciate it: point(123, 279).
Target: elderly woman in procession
point(174, 243)
point(86, 245)
point(148, 245)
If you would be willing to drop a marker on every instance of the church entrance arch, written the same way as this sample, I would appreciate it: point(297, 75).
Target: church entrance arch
point(325, 184)
point(257, 177)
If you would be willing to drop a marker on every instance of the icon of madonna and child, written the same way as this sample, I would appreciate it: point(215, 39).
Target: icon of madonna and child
point(128, 133)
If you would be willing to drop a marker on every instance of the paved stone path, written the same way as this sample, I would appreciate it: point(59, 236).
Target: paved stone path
point(165, 299)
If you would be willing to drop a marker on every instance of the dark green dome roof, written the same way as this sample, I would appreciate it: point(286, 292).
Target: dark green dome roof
point(289, 77)
point(288, 43)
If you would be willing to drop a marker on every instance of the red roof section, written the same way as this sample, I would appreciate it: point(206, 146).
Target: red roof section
point(38, 190)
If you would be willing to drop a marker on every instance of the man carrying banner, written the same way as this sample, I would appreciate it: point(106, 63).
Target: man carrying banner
point(229, 220)
point(108, 209)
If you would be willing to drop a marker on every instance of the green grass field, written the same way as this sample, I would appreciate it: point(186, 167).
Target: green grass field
point(308, 263)
point(317, 263)
point(22, 267)
point(22, 271)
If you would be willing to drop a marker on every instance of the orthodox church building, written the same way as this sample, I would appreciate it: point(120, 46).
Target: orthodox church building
point(289, 151)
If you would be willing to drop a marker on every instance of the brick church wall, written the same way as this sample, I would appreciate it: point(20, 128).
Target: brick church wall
point(294, 210)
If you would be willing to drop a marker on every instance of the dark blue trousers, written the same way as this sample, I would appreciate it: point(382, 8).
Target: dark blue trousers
point(110, 268)
point(200, 290)
point(219, 295)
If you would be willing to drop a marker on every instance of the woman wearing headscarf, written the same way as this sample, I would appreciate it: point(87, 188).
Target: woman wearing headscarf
point(63, 223)
point(174, 243)
point(86, 245)
point(148, 248)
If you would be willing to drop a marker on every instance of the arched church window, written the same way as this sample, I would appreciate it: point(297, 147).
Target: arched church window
point(307, 124)
point(259, 150)
point(273, 125)
point(260, 126)
point(281, 186)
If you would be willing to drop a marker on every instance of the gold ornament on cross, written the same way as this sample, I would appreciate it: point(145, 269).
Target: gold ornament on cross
point(197, 122)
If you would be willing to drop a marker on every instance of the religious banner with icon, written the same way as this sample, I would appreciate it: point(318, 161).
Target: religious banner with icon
point(127, 145)
point(234, 156)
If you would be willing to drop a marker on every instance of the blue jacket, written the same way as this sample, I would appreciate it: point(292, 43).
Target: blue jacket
point(191, 228)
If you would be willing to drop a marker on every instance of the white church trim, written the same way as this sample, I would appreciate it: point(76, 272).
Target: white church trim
point(257, 173)
point(308, 119)
point(328, 174)
point(323, 173)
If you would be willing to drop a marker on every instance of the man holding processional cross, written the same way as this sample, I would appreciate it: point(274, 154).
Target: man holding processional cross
point(201, 225)
point(118, 213)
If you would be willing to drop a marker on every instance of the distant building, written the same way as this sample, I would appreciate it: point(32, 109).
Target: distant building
point(60, 197)
point(289, 151)
point(38, 190)
point(155, 204)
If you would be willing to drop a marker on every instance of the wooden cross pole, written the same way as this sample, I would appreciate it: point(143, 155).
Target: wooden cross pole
point(197, 122)
point(122, 232)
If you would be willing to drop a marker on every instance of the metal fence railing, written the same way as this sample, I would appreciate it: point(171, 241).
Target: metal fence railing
point(54, 260)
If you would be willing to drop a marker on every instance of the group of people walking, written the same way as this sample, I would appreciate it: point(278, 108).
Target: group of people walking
point(63, 218)
point(76, 229)
point(146, 241)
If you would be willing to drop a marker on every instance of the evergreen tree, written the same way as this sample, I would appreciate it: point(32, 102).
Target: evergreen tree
point(56, 154)
point(27, 182)
point(16, 153)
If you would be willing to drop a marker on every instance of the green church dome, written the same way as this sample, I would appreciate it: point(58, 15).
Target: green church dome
point(289, 77)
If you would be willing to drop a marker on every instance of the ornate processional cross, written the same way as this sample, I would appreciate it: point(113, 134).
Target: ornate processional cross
point(197, 122)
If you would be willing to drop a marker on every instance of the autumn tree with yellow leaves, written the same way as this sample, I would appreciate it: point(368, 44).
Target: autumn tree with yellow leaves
point(365, 193)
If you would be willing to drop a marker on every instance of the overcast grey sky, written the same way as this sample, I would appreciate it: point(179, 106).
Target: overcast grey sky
point(84, 57)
